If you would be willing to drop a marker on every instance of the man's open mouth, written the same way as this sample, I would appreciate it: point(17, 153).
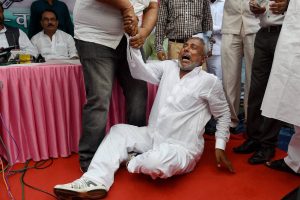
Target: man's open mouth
point(185, 57)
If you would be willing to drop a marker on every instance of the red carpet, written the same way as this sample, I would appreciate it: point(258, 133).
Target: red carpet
point(205, 182)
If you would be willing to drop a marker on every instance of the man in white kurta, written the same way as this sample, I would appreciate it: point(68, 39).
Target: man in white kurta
point(282, 96)
point(173, 141)
point(51, 42)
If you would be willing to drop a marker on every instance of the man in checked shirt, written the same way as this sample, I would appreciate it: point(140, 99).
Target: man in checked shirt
point(178, 21)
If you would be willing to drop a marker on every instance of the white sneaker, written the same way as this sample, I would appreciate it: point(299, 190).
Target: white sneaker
point(82, 188)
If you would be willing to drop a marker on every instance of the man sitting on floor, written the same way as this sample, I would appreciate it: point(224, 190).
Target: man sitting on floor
point(173, 141)
point(51, 42)
point(14, 37)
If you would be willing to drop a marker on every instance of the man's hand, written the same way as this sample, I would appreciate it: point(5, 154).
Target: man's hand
point(278, 6)
point(130, 21)
point(161, 55)
point(138, 40)
point(255, 8)
point(221, 158)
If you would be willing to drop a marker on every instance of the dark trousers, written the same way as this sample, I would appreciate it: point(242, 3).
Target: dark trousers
point(100, 65)
point(262, 129)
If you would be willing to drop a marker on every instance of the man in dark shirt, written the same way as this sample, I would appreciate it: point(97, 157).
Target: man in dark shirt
point(65, 23)
point(178, 21)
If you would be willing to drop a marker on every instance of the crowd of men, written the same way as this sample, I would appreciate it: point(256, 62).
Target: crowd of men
point(198, 78)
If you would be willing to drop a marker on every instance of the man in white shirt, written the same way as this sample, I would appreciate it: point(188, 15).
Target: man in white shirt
point(51, 42)
point(238, 33)
point(101, 45)
point(14, 37)
point(262, 132)
point(173, 141)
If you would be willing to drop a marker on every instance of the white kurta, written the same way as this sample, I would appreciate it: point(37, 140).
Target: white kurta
point(173, 141)
point(62, 45)
point(282, 96)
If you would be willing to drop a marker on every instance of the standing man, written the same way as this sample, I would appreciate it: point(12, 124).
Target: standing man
point(178, 21)
point(282, 96)
point(52, 43)
point(101, 45)
point(238, 33)
point(262, 131)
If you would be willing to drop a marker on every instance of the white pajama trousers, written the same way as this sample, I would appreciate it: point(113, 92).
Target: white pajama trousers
point(293, 157)
point(161, 160)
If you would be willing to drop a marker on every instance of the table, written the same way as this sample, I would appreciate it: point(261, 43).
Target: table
point(40, 109)
point(40, 106)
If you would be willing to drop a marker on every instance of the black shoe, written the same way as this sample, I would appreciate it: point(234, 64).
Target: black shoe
point(249, 146)
point(280, 165)
point(261, 156)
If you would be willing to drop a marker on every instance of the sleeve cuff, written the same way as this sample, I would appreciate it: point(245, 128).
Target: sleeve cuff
point(220, 143)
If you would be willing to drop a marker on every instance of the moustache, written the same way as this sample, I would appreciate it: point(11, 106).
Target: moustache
point(50, 25)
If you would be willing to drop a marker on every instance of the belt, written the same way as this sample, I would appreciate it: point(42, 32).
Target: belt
point(270, 29)
point(178, 40)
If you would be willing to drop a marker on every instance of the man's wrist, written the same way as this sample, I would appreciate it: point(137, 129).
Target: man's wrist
point(126, 10)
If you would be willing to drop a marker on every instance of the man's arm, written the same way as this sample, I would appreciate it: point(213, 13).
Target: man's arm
point(161, 29)
point(26, 45)
point(71, 48)
point(127, 12)
point(148, 23)
point(149, 72)
point(220, 110)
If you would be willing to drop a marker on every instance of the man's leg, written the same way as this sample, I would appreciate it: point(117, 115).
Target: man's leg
point(248, 41)
point(163, 161)
point(293, 158)
point(112, 151)
point(262, 129)
point(231, 51)
point(98, 69)
point(135, 91)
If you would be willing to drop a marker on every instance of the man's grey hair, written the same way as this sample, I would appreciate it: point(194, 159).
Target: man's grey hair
point(197, 38)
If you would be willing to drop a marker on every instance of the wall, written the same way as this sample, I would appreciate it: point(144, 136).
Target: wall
point(17, 12)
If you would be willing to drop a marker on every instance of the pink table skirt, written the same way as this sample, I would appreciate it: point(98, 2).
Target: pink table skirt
point(41, 108)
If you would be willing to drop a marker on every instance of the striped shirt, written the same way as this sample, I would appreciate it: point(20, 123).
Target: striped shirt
point(180, 19)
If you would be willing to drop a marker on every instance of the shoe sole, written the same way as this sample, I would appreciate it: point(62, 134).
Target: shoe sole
point(72, 195)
